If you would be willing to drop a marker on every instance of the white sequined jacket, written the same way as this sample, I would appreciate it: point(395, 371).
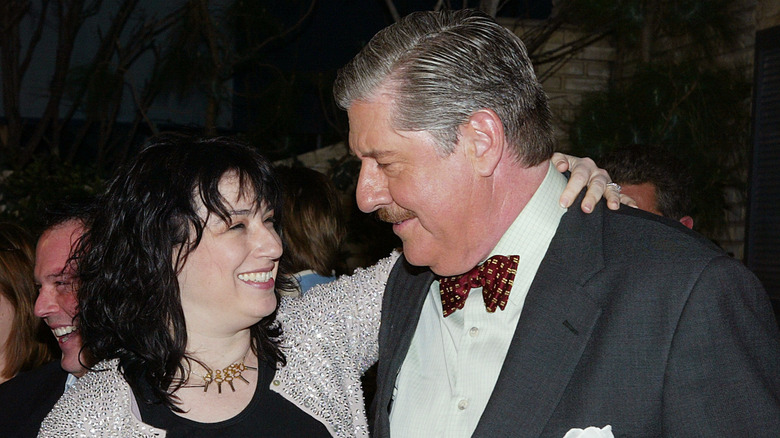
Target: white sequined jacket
point(330, 339)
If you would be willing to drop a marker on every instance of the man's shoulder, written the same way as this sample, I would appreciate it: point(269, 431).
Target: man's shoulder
point(628, 243)
point(631, 234)
point(646, 233)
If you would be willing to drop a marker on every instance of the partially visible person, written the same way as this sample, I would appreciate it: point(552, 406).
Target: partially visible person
point(177, 275)
point(313, 228)
point(55, 273)
point(26, 399)
point(655, 179)
point(22, 346)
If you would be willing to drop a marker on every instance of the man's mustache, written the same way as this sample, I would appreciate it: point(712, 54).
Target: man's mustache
point(394, 215)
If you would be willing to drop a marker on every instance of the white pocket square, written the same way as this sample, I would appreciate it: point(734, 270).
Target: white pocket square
point(590, 432)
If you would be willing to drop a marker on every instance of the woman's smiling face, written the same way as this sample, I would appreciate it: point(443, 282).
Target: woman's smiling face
point(227, 282)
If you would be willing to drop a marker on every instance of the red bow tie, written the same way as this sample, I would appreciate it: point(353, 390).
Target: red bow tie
point(495, 276)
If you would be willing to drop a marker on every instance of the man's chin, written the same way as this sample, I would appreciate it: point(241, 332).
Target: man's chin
point(72, 366)
point(71, 352)
point(418, 258)
point(443, 268)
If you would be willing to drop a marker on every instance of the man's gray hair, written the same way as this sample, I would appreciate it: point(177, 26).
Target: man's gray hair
point(442, 67)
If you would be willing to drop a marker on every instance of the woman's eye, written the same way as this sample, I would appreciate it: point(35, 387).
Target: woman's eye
point(236, 226)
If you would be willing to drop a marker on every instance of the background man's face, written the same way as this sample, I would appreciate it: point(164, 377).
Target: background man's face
point(57, 303)
point(644, 195)
point(646, 199)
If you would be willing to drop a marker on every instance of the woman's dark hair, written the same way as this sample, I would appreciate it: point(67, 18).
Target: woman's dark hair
point(145, 226)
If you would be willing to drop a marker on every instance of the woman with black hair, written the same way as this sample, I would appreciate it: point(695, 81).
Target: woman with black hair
point(179, 274)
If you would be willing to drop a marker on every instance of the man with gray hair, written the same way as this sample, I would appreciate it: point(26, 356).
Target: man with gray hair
point(615, 319)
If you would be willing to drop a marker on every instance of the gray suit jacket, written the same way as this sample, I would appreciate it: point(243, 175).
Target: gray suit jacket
point(632, 321)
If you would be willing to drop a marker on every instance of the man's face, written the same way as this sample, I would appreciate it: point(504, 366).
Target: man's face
point(646, 199)
point(57, 303)
point(430, 200)
point(644, 195)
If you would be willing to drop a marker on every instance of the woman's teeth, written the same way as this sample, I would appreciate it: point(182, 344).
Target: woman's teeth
point(255, 277)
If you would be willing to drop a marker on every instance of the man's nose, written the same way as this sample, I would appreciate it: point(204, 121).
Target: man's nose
point(372, 192)
point(44, 304)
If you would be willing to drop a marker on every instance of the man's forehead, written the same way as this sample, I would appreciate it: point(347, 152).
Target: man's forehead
point(59, 241)
point(70, 230)
point(55, 246)
point(371, 129)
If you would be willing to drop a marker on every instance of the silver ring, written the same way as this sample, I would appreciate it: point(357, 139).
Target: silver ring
point(616, 186)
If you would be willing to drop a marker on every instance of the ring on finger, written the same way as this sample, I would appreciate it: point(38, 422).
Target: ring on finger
point(615, 186)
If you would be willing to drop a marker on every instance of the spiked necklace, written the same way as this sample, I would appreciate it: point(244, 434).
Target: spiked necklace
point(224, 375)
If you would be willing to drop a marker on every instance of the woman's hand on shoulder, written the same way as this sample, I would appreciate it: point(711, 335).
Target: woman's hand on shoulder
point(585, 172)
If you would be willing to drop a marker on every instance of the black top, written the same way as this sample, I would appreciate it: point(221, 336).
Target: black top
point(26, 399)
point(267, 415)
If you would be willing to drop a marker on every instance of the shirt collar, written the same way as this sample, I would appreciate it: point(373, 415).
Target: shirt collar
point(70, 381)
point(531, 232)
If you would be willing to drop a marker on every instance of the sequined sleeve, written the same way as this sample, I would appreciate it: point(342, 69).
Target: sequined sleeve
point(98, 405)
point(330, 339)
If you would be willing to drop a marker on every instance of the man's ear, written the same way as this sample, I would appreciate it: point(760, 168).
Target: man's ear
point(687, 221)
point(484, 141)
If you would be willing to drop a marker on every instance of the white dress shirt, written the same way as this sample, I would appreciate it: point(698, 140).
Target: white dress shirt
point(453, 363)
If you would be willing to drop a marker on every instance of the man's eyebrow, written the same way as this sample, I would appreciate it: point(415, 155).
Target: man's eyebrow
point(376, 154)
point(55, 275)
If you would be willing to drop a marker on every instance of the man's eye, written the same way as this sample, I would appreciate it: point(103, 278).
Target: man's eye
point(236, 226)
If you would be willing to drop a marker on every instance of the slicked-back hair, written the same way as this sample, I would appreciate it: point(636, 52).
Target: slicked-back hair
point(145, 226)
point(26, 347)
point(639, 164)
point(442, 67)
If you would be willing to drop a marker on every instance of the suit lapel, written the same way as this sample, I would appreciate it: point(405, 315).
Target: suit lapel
point(556, 323)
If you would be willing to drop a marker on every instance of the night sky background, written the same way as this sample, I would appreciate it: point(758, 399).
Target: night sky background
point(330, 37)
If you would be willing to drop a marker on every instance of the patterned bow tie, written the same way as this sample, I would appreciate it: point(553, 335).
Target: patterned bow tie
point(495, 276)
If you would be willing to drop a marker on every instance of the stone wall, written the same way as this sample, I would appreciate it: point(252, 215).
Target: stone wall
point(767, 14)
point(566, 84)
